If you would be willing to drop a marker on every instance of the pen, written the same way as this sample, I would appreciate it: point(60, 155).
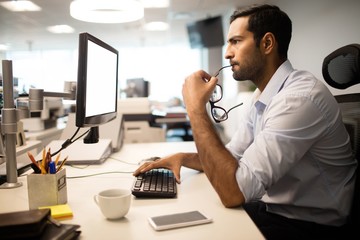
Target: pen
point(52, 167)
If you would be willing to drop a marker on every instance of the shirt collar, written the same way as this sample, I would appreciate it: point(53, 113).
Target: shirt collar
point(276, 82)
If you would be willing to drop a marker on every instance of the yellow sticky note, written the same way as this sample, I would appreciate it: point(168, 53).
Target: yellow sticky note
point(62, 211)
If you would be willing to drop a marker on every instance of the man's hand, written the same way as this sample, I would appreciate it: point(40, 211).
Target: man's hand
point(172, 162)
point(197, 90)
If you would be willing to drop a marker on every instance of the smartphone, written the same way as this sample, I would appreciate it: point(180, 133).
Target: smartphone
point(178, 220)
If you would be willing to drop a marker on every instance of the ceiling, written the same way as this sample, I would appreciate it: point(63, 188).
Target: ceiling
point(24, 31)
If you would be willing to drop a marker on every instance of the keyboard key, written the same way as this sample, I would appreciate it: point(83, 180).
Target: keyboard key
point(156, 183)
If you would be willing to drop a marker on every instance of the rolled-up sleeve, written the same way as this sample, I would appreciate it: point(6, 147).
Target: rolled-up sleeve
point(248, 183)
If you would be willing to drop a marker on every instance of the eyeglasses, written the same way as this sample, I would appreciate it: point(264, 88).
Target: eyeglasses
point(218, 113)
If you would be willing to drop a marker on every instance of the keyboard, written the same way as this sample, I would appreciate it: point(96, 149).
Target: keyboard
point(156, 183)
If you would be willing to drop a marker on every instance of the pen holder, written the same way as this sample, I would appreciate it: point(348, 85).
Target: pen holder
point(47, 189)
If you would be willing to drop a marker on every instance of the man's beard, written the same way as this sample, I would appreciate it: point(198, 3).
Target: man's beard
point(250, 70)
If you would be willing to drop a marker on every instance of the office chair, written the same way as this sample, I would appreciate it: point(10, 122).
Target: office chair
point(341, 69)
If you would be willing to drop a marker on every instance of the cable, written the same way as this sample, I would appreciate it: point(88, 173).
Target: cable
point(116, 159)
point(69, 141)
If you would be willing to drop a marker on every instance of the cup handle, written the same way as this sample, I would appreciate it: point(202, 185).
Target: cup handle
point(96, 199)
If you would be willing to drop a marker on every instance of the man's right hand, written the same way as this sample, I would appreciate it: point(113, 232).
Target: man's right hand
point(172, 162)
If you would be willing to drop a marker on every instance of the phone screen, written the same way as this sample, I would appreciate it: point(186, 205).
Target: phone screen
point(178, 220)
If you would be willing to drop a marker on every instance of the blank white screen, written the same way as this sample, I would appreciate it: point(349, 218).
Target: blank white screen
point(101, 80)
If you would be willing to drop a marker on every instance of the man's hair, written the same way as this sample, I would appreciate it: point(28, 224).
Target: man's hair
point(267, 18)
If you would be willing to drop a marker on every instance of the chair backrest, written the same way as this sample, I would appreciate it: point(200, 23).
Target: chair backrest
point(341, 69)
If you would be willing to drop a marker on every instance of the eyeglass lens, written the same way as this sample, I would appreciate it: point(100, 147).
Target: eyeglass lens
point(218, 113)
point(216, 95)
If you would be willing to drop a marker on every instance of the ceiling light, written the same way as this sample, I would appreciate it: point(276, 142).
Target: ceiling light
point(156, 26)
point(155, 3)
point(180, 15)
point(60, 29)
point(20, 6)
point(107, 11)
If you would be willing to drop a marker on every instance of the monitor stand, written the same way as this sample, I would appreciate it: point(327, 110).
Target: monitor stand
point(80, 153)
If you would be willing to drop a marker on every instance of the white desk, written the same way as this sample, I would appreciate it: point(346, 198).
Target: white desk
point(194, 193)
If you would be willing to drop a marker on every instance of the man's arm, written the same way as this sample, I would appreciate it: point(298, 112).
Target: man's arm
point(216, 161)
point(174, 163)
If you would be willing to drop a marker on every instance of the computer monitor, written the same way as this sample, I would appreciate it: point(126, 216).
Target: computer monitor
point(206, 33)
point(97, 85)
point(137, 87)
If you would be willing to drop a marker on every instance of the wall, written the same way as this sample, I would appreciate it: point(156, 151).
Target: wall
point(320, 27)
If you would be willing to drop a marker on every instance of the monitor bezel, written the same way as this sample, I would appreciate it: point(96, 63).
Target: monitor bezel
point(95, 120)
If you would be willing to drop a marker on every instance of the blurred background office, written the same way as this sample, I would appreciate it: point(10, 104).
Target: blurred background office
point(163, 56)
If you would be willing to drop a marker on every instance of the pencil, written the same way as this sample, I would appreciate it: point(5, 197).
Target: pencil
point(33, 160)
point(48, 160)
point(57, 159)
point(43, 161)
point(43, 170)
point(62, 164)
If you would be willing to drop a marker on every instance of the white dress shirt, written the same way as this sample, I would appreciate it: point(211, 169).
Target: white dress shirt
point(293, 150)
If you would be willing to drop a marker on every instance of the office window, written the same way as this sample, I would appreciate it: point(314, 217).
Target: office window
point(164, 67)
point(44, 69)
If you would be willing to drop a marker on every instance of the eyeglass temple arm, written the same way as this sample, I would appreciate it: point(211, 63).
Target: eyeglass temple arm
point(234, 107)
point(218, 72)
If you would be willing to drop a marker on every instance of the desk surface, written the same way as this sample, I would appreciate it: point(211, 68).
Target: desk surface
point(194, 193)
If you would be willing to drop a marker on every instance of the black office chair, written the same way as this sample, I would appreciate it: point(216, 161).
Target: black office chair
point(341, 69)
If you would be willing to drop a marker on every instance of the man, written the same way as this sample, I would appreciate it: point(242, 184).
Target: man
point(290, 163)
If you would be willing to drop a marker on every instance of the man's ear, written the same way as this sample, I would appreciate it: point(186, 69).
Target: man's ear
point(268, 42)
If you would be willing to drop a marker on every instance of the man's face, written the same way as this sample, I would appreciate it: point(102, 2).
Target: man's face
point(243, 53)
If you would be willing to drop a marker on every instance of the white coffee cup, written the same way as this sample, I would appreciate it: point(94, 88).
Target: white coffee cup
point(114, 203)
